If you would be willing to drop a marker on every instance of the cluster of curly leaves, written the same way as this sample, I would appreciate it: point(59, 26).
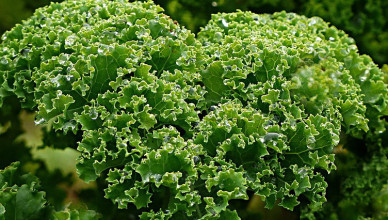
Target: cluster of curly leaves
point(364, 20)
point(179, 125)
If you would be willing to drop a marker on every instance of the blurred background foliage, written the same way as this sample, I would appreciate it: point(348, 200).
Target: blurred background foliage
point(44, 152)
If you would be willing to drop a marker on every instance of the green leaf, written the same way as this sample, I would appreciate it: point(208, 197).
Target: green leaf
point(159, 165)
point(105, 72)
point(213, 81)
point(76, 214)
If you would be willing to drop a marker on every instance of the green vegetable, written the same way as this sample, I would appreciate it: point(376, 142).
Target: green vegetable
point(314, 85)
point(363, 20)
point(183, 127)
point(20, 198)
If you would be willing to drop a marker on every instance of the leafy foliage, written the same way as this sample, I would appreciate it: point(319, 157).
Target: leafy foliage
point(318, 82)
point(20, 198)
point(364, 20)
point(183, 127)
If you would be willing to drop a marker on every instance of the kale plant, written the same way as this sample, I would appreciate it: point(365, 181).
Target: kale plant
point(364, 20)
point(179, 127)
point(20, 198)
